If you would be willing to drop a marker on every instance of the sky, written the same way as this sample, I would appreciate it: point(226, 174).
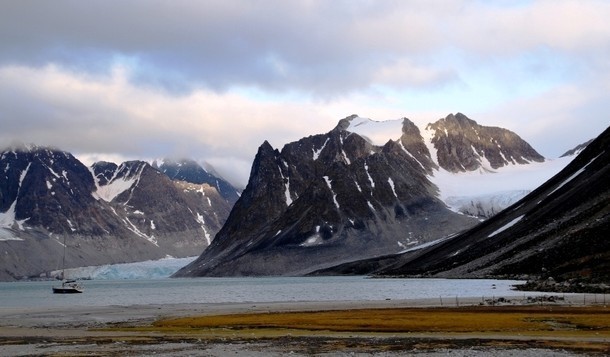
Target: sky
point(212, 80)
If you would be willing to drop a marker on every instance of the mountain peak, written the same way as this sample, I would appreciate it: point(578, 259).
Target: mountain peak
point(189, 170)
point(345, 123)
point(375, 132)
point(464, 145)
point(460, 119)
point(577, 150)
point(266, 146)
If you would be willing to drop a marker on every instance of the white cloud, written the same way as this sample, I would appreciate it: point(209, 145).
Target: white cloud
point(326, 48)
point(570, 26)
point(212, 80)
point(555, 121)
point(107, 115)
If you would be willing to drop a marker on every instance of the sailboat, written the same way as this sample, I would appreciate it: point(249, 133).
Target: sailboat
point(68, 286)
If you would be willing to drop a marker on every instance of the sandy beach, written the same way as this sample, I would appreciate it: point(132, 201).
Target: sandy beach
point(117, 330)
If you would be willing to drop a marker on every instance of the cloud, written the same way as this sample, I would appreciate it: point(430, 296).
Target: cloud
point(564, 26)
point(554, 121)
point(214, 79)
point(318, 47)
point(106, 116)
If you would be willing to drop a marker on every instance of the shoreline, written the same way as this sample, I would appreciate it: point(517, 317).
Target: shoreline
point(61, 330)
point(121, 314)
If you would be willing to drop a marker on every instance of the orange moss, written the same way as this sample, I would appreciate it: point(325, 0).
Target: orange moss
point(478, 319)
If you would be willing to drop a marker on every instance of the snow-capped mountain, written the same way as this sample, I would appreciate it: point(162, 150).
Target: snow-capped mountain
point(153, 204)
point(560, 230)
point(478, 170)
point(106, 214)
point(190, 171)
point(364, 189)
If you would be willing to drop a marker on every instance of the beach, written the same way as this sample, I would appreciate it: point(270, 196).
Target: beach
point(134, 330)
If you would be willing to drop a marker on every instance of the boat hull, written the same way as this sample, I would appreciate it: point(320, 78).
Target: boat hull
point(68, 287)
point(66, 290)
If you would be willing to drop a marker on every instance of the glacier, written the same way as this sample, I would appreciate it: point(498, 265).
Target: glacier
point(150, 269)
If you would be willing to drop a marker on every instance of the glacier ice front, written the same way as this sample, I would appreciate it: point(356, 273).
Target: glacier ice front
point(150, 269)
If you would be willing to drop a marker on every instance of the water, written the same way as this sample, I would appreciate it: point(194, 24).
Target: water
point(235, 290)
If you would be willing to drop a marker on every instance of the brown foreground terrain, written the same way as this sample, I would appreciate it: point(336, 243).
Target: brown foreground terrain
point(382, 328)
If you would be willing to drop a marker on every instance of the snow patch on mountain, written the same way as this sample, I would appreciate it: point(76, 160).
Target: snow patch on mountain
point(7, 234)
point(425, 245)
point(506, 226)
point(115, 188)
point(328, 183)
point(201, 221)
point(574, 175)
point(286, 186)
point(316, 153)
point(7, 219)
point(376, 132)
point(366, 168)
point(132, 227)
point(427, 133)
point(392, 186)
point(411, 155)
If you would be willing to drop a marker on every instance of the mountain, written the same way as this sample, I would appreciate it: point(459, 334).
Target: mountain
point(577, 150)
point(463, 145)
point(557, 234)
point(190, 171)
point(479, 170)
point(353, 193)
point(154, 206)
point(106, 214)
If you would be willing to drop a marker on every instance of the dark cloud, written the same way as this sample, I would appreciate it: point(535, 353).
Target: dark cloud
point(324, 48)
point(319, 47)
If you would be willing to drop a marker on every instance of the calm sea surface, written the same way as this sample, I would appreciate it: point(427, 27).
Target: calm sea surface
point(222, 290)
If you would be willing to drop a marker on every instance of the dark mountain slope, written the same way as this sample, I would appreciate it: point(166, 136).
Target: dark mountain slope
point(560, 230)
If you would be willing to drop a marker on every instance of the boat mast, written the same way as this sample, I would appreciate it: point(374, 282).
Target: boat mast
point(63, 261)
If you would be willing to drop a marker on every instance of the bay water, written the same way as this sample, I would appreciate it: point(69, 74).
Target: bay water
point(238, 290)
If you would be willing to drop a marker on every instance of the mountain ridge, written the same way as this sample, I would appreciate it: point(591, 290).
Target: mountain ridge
point(556, 235)
point(338, 197)
point(106, 213)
